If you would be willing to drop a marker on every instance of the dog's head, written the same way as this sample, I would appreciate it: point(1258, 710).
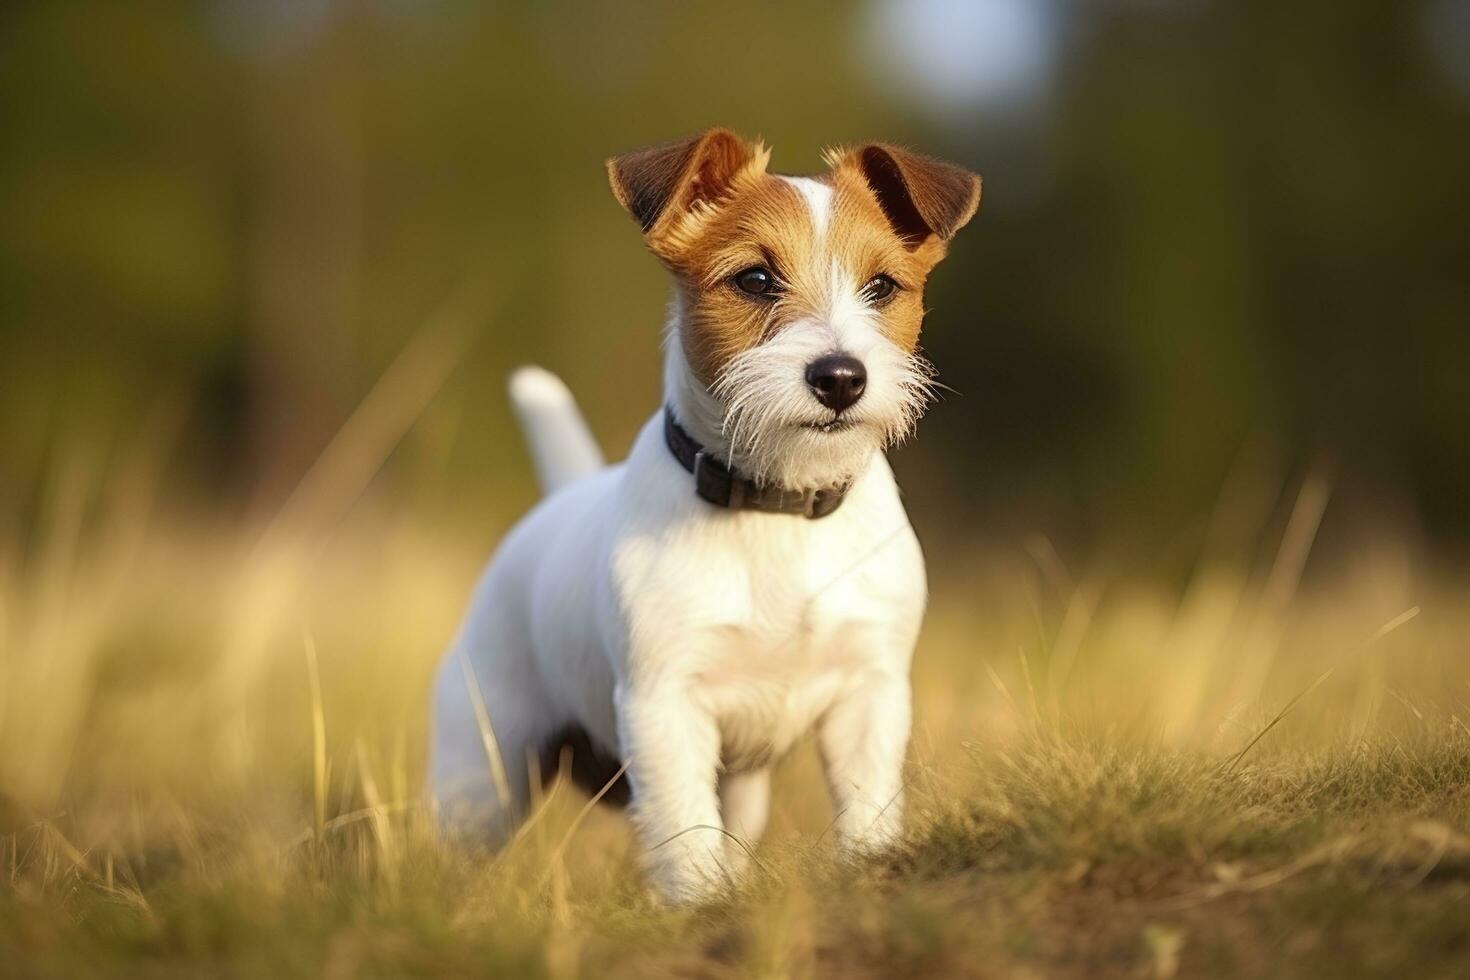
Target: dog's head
point(799, 299)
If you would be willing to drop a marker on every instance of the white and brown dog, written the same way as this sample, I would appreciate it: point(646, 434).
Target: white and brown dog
point(749, 572)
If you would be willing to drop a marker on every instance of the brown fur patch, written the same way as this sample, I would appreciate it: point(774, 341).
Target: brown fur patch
point(921, 197)
point(572, 752)
point(766, 223)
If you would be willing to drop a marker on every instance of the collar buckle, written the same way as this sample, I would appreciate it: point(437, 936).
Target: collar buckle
point(712, 481)
point(820, 503)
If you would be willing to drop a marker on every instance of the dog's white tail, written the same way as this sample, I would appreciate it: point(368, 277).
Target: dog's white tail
point(561, 444)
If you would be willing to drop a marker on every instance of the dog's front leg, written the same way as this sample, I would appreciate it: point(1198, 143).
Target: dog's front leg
point(863, 738)
point(672, 748)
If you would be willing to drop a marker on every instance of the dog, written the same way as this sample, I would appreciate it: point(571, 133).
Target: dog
point(674, 623)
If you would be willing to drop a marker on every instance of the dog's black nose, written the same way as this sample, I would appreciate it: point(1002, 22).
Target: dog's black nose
point(837, 380)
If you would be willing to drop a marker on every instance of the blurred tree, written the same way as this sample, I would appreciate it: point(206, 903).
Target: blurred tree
point(307, 198)
point(1206, 226)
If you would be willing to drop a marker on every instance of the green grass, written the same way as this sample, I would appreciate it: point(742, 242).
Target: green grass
point(1064, 857)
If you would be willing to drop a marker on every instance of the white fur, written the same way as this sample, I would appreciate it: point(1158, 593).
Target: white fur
point(561, 445)
point(696, 643)
point(818, 196)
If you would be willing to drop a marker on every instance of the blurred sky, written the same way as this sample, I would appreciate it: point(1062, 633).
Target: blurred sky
point(1219, 241)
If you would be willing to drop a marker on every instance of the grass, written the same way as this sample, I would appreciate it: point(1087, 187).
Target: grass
point(1064, 859)
point(210, 745)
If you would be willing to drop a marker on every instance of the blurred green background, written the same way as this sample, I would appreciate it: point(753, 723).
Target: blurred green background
point(1219, 241)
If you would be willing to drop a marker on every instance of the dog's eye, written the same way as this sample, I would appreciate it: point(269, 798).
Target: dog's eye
point(880, 287)
point(757, 281)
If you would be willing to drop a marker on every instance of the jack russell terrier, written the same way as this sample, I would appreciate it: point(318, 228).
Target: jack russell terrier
point(676, 622)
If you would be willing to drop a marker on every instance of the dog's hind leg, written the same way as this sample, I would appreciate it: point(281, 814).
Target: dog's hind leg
point(745, 804)
point(486, 726)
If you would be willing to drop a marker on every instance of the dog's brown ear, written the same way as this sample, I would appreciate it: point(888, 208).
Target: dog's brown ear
point(660, 184)
point(920, 196)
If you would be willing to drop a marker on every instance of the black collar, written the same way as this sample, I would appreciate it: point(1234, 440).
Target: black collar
point(715, 483)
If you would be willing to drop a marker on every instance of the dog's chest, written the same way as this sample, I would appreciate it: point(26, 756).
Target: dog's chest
point(764, 698)
point(769, 621)
point(768, 676)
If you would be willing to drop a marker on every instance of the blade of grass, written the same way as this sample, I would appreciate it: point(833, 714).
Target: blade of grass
point(382, 827)
point(487, 734)
point(1235, 760)
point(587, 808)
point(318, 739)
